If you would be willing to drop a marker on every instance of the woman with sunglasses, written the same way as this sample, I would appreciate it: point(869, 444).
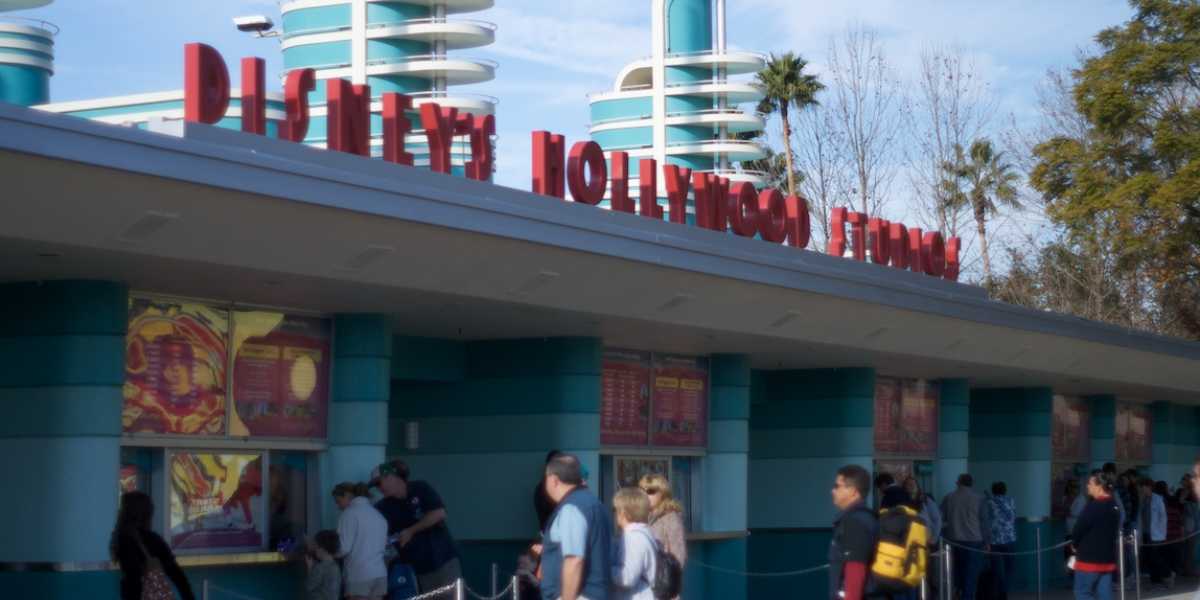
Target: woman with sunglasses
point(666, 516)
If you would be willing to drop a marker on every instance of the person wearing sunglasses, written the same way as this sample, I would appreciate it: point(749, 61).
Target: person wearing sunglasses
point(666, 516)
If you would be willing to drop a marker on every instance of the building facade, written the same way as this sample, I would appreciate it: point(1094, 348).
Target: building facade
point(234, 323)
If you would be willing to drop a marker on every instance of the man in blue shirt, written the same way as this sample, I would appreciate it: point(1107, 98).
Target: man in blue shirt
point(576, 549)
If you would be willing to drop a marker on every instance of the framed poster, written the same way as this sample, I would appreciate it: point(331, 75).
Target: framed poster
point(280, 375)
point(175, 367)
point(625, 398)
point(1070, 435)
point(906, 417)
point(1133, 433)
point(216, 501)
point(679, 401)
point(130, 479)
point(629, 470)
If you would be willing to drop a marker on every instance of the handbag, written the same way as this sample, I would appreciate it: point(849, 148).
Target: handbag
point(155, 585)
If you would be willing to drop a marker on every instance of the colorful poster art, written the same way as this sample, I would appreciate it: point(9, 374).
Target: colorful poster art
point(906, 417)
point(216, 501)
point(680, 401)
point(1133, 439)
point(130, 479)
point(1070, 436)
point(280, 375)
point(631, 469)
point(625, 398)
point(175, 363)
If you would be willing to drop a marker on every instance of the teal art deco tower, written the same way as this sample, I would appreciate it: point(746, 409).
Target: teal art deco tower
point(680, 105)
point(405, 46)
point(26, 55)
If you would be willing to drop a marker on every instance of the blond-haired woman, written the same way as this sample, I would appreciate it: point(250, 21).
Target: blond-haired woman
point(666, 516)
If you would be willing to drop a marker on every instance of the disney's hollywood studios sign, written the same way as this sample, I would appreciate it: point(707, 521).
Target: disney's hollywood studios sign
point(584, 170)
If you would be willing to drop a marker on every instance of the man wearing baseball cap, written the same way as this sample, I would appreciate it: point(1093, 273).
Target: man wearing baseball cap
point(416, 520)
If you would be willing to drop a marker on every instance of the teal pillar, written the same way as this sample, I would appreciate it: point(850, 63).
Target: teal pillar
point(358, 411)
point(1102, 429)
point(483, 416)
point(1174, 435)
point(725, 477)
point(1009, 436)
point(953, 420)
point(803, 426)
point(62, 365)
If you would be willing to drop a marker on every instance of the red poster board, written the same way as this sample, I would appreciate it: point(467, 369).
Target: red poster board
point(1133, 435)
point(887, 415)
point(216, 501)
point(175, 368)
point(1070, 436)
point(280, 375)
point(906, 417)
point(680, 401)
point(625, 398)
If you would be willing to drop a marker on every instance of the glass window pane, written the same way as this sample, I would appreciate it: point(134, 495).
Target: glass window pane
point(216, 501)
point(287, 491)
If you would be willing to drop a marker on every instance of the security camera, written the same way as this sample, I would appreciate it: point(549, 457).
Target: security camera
point(258, 24)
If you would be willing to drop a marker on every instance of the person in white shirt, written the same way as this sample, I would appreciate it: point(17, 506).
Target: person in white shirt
point(634, 565)
point(363, 534)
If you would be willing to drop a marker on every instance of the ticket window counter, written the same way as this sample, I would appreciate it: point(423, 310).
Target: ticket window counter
point(1062, 473)
point(906, 429)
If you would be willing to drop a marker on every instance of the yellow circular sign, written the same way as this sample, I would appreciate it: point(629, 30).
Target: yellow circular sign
point(303, 378)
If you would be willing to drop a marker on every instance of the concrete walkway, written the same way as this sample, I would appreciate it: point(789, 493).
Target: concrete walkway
point(1184, 589)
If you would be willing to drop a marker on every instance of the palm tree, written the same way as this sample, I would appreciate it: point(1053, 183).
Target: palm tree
point(982, 180)
point(786, 84)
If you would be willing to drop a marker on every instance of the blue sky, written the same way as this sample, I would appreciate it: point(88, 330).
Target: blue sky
point(553, 53)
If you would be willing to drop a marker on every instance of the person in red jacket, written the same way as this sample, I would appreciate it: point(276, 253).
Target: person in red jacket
point(854, 534)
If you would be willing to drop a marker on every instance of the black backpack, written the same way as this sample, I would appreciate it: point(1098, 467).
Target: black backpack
point(668, 573)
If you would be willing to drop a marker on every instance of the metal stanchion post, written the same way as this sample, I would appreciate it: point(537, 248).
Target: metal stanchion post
point(949, 584)
point(460, 590)
point(495, 578)
point(924, 588)
point(1037, 556)
point(204, 590)
point(1137, 566)
point(516, 588)
point(1121, 561)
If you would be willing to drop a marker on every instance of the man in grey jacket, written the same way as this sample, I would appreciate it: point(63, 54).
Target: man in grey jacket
point(966, 527)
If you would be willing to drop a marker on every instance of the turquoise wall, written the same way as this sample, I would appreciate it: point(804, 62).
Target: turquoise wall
point(624, 108)
point(689, 25)
point(803, 426)
point(1175, 436)
point(358, 408)
point(260, 581)
point(327, 54)
point(1102, 429)
point(953, 420)
point(24, 85)
point(395, 12)
point(62, 348)
point(1010, 442)
point(487, 412)
point(725, 471)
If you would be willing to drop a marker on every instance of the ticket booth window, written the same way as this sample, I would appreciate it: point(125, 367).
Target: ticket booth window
point(1070, 450)
point(906, 429)
point(224, 411)
point(1133, 437)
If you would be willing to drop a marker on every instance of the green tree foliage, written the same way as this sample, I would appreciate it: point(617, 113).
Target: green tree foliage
point(1130, 186)
point(984, 182)
point(786, 85)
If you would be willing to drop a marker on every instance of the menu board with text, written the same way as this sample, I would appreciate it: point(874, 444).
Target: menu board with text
point(906, 417)
point(680, 401)
point(1070, 437)
point(625, 398)
point(175, 368)
point(280, 375)
point(1133, 436)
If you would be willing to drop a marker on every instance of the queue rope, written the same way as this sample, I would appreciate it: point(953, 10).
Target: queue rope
point(502, 593)
point(758, 574)
point(1021, 553)
point(1164, 543)
point(435, 593)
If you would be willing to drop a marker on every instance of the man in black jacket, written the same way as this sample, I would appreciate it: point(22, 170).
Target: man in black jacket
point(1094, 540)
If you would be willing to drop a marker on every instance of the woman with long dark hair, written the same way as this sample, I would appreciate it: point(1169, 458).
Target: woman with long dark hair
point(148, 566)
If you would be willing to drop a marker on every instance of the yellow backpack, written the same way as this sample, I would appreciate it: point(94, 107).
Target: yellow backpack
point(902, 551)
